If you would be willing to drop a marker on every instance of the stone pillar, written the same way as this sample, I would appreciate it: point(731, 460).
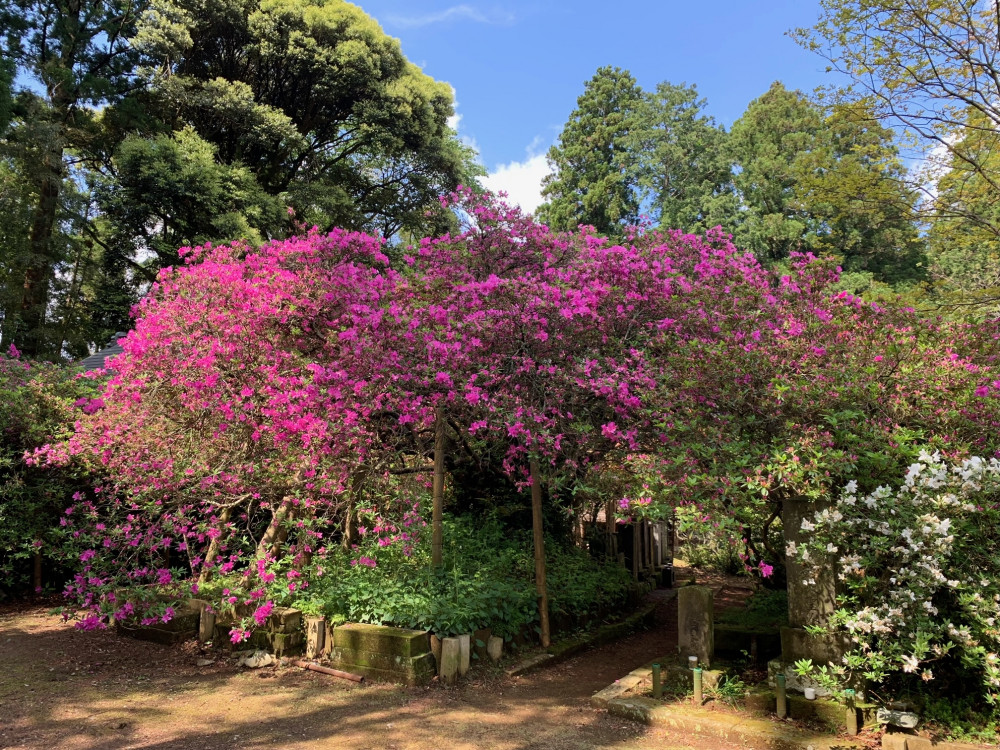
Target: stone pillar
point(695, 624)
point(206, 624)
point(315, 637)
point(450, 660)
point(808, 603)
point(464, 653)
point(436, 650)
point(494, 647)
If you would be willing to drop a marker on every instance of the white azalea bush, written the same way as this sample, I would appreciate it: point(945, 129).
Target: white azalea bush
point(919, 576)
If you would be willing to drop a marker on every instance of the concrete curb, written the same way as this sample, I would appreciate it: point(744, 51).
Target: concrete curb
point(760, 734)
point(908, 741)
point(562, 650)
point(750, 732)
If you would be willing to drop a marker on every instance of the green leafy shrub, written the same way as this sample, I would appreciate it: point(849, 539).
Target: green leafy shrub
point(38, 404)
point(487, 580)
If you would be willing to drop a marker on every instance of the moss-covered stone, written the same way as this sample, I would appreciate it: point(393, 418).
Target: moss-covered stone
point(731, 728)
point(760, 702)
point(678, 673)
point(417, 670)
point(381, 639)
point(831, 713)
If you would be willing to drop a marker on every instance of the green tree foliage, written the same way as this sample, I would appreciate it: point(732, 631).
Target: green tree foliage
point(922, 65)
point(37, 404)
point(828, 183)
point(964, 248)
point(766, 143)
point(143, 127)
point(686, 175)
point(853, 183)
point(789, 177)
point(7, 72)
point(169, 190)
point(624, 152)
point(314, 101)
point(78, 54)
point(596, 176)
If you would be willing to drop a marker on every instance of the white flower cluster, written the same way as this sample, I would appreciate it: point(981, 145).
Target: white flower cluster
point(919, 567)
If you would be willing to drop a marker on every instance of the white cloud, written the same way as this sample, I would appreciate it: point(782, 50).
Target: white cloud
point(521, 180)
point(934, 165)
point(454, 13)
point(456, 118)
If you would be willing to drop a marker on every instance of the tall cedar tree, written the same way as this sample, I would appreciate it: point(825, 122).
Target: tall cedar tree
point(595, 178)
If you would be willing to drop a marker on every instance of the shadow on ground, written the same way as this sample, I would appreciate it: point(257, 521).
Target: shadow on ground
point(62, 688)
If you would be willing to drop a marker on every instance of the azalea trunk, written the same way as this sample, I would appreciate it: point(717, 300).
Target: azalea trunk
point(303, 557)
point(277, 532)
point(539, 540)
point(212, 553)
point(350, 518)
point(437, 513)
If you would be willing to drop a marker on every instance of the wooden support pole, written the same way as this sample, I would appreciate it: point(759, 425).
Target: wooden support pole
point(539, 543)
point(36, 577)
point(437, 537)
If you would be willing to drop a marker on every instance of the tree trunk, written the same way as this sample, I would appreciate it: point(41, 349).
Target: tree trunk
point(30, 338)
point(539, 543)
point(276, 533)
point(437, 539)
point(213, 548)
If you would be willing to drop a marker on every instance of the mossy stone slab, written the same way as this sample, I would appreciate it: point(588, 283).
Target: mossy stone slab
point(418, 670)
point(381, 639)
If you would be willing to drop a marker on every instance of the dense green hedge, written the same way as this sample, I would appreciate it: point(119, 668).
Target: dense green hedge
point(487, 580)
point(38, 403)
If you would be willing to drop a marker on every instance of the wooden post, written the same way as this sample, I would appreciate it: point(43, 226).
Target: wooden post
point(636, 549)
point(206, 624)
point(437, 538)
point(610, 529)
point(539, 543)
point(37, 573)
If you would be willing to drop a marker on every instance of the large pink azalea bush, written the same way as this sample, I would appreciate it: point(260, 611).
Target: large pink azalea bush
point(266, 392)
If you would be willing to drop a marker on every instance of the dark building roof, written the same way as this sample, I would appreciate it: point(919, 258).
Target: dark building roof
point(96, 360)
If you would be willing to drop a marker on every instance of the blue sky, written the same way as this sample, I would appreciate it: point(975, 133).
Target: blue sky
point(518, 67)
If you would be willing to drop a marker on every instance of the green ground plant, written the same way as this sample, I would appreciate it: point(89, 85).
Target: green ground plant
point(766, 609)
point(485, 582)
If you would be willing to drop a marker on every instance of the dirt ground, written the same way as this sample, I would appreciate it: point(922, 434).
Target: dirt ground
point(63, 688)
